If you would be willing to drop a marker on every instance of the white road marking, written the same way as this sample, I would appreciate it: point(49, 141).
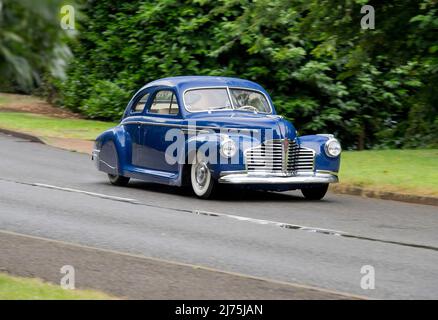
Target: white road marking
point(273, 223)
point(230, 216)
point(100, 195)
point(200, 212)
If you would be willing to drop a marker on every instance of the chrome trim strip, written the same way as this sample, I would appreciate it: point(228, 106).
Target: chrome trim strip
point(327, 135)
point(187, 130)
point(175, 125)
point(153, 123)
point(304, 178)
point(229, 97)
point(225, 173)
point(109, 166)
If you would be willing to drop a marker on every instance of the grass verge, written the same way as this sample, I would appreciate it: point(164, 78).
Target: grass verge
point(44, 126)
point(402, 171)
point(16, 288)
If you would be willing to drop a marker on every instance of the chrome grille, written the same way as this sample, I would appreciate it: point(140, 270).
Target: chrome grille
point(279, 156)
point(299, 158)
point(267, 157)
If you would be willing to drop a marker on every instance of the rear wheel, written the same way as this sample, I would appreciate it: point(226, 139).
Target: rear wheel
point(315, 192)
point(118, 180)
point(201, 180)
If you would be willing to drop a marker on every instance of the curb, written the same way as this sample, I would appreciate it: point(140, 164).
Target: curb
point(32, 138)
point(21, 135)
point(384, 195)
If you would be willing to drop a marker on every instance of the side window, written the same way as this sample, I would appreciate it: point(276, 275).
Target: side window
point(139, 106)
point(164, 103)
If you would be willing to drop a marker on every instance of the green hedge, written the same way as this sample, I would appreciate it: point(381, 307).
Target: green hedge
point(372, 88)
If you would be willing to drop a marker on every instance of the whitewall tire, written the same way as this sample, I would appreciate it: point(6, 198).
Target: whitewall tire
point(201, 179)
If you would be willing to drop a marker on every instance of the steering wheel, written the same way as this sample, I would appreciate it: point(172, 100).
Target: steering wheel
point(248, 107)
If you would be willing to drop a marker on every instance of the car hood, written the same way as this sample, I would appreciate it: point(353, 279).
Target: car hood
point(274, 125)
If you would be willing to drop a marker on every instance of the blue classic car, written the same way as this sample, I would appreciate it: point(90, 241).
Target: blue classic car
point(203, 132)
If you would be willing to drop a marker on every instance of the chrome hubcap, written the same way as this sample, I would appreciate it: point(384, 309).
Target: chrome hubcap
point(201, 173)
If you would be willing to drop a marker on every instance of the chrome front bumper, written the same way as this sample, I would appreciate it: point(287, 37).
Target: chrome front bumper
point(299, 178)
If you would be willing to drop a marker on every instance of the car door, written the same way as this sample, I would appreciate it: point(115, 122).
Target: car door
point(163, 114)
point(134, 128)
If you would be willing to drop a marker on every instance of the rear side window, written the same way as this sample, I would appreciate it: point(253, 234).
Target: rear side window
point(164, 103)
point(139, 106)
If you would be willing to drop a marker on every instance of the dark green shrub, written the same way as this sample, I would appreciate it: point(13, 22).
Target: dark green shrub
point(107, 101)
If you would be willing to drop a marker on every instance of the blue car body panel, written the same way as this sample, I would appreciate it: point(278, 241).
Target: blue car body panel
point(136, 147)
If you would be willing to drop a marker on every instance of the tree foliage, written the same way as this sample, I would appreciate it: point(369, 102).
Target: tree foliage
point(372, 88)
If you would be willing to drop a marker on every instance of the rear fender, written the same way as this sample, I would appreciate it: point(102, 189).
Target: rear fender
point(113, 147)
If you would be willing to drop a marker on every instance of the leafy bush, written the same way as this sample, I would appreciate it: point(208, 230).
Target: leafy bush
point(107, 101)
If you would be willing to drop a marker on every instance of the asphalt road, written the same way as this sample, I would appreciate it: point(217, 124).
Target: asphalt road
point(56, 194)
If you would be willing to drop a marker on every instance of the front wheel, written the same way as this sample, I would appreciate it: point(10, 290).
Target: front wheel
point(315, 192)
point(118, 180)
point(201, 180)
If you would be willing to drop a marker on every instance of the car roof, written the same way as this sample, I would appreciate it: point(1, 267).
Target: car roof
point(187, 82)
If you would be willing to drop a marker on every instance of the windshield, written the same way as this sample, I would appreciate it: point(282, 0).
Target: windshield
point(218, 99)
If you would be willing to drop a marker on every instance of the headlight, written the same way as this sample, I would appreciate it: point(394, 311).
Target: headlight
point(333, 148)
point(228, 148)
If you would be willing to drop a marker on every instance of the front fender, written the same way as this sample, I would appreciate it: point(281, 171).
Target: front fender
point(322, 161)
point(211, 141)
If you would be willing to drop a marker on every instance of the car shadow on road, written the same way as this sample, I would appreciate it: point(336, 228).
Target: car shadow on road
point(228, 193)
